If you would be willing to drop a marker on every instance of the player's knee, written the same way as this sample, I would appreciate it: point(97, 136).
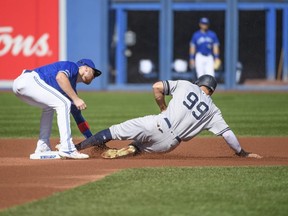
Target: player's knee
point(64, 103)
point(68, 104)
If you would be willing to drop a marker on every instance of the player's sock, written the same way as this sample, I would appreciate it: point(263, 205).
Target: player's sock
point(99, 139)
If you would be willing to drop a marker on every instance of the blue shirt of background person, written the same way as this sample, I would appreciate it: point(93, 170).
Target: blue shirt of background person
point(204, 42)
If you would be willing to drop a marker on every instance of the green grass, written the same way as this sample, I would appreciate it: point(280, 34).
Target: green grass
point(248, 114)
point(165, 191)
point(173, 191)
point(255, 114)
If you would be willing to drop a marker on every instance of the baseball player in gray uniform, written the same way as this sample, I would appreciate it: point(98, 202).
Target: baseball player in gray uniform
point(190, 111)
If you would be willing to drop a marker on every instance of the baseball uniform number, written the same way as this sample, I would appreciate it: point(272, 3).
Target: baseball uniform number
point(201, 107)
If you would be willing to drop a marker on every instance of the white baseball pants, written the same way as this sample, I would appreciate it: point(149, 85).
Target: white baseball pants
point(150, 133)
point(30, 88)
point(204, 65)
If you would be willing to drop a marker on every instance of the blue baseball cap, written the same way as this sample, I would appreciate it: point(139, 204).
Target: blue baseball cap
point(89, 63)
point(204, 20)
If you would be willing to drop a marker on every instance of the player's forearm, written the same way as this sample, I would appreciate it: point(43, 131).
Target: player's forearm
point(216, 51)
point(161, 103)
point(192, 52)
point(232, 140)
point(65, 85)
point(158, 89)
point(82, 124)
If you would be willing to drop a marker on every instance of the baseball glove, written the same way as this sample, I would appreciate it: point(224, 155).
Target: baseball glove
point(116, 153)
point(217, 64)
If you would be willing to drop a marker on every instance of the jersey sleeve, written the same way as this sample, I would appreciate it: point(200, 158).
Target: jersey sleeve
point(70, 69)
point(169, 86)
point(217, 125)
point(81, 122)
point(66, 72)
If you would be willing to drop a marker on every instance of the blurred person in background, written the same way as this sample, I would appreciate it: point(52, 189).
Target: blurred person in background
point(204, 50)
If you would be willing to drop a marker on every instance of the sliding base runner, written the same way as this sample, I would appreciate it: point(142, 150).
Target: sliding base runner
point(45, 155)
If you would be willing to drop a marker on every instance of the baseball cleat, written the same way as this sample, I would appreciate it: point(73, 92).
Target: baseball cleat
point(43, 147)
point(57, 147)
point(116, 153)
point(73, 155)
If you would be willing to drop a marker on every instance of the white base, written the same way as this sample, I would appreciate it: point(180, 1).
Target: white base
point(45, 155)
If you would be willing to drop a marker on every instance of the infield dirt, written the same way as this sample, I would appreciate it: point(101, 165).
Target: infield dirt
point(23, 180)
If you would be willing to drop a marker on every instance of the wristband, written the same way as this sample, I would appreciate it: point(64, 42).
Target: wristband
point(216, 56)
point(242, 153)
point(192, 56)
point(84, 129)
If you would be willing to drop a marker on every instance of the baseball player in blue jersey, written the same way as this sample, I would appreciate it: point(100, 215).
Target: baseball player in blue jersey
point(190, 111)
point(204, 50)
point(53, 88)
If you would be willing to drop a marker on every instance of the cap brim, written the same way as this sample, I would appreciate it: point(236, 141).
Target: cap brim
point(96, 72)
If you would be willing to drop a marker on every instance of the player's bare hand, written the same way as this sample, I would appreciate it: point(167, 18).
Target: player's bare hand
point(245, 154)
point(252, 155)
point(80, 104)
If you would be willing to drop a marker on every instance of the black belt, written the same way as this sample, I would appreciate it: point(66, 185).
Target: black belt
point(28, 71)
point(169, 126)
point(205, 54)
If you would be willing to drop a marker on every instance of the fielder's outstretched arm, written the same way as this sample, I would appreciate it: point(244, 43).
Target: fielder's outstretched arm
point(233, 142)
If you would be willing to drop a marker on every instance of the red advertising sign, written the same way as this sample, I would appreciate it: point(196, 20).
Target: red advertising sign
point(28, 35)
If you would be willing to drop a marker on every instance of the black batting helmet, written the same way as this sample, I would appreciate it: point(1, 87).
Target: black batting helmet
point(208, 81)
